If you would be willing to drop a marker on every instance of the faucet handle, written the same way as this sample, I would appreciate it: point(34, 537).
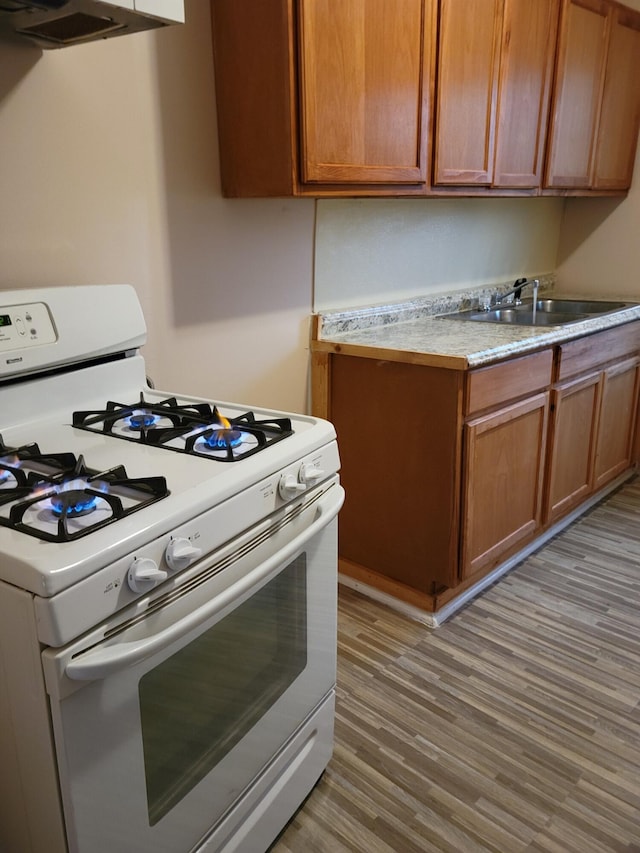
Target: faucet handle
point(517, 292)
point(485, 300)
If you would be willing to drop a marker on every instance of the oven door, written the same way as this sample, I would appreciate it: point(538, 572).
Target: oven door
point(166, 722)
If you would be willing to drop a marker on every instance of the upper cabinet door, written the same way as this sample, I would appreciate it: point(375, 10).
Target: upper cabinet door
point(620, 113)
point(582, 54)
point(594, 125)
point(365, 79)
point(494, 74)
point(467, 85)
point(526, 68)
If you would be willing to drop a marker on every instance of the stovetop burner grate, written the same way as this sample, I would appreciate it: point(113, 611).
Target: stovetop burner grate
point(196, 428)
point(57, 498)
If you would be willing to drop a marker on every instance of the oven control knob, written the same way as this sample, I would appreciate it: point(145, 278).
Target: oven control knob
point(181, 553)
point(144, 574)
point(289, 487)
point(309, 473)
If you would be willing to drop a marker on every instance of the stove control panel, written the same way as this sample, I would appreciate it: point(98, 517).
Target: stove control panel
point(25, 325)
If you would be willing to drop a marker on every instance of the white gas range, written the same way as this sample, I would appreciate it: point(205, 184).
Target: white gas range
point(167, 594)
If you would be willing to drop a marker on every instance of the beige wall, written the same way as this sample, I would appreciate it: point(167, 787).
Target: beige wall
point(108, 173)
point(599, 249)
point(376, 250)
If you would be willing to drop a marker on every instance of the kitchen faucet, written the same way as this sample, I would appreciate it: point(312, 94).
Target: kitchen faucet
point(516, 292)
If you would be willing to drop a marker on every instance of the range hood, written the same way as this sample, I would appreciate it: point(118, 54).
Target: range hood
point(59, 23)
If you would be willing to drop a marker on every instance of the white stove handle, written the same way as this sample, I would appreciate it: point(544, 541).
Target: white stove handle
point(102, 662)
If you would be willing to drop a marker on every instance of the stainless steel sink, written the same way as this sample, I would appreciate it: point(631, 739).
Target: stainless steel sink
point(548, 312)
point(576, 306)
point(519, 317)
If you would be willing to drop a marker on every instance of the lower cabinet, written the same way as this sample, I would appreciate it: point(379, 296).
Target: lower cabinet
point(616, 425)
point(399, 439)
point(448, 472)
point(593, 416)
point(505, 435)
point(572, 444)
point(502, 487)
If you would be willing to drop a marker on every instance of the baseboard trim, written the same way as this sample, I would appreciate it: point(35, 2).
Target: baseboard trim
point(434, 620)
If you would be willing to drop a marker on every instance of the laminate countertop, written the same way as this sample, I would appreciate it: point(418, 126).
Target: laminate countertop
point(418, 332)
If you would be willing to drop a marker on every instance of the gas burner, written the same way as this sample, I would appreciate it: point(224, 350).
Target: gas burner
point(10, 473)
point(57, 498)
point(74, 502)
point(222, 439)
point(135, 422)
point(142, 420)
point(18, 464)
point(196, 428)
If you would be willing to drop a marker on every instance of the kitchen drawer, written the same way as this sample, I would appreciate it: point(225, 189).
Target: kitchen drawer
point(497, 384)
point(598, 349)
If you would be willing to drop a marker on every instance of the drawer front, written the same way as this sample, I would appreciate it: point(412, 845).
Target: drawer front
point(497, 384)
point(597, 350)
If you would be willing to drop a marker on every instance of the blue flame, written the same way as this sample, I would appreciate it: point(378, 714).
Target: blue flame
point(81, 504)
point(142, 419)
point(221, 439)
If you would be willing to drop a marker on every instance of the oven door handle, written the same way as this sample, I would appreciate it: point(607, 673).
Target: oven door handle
point(102, 662)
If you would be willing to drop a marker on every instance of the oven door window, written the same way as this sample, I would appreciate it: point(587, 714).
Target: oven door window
point(199, 703)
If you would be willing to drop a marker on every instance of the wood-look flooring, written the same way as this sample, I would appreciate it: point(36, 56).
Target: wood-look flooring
point(513, 727)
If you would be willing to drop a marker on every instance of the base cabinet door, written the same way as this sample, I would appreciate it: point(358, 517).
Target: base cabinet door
point(574, 422)
point(617, 421)
point(504, 455)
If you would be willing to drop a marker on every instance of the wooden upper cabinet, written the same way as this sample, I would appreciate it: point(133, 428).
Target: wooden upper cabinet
point(620, 113)
point(529, 33)
point(493, 80)
point(594, 123)
point(425, 97)
point(365, 68)
point(319, 97)
point(466, 89)
point(253, 53)
point(578, 92)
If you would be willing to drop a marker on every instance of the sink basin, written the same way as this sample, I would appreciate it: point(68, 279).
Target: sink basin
point(575, 306)
point(520, 316)
point(548, 312)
